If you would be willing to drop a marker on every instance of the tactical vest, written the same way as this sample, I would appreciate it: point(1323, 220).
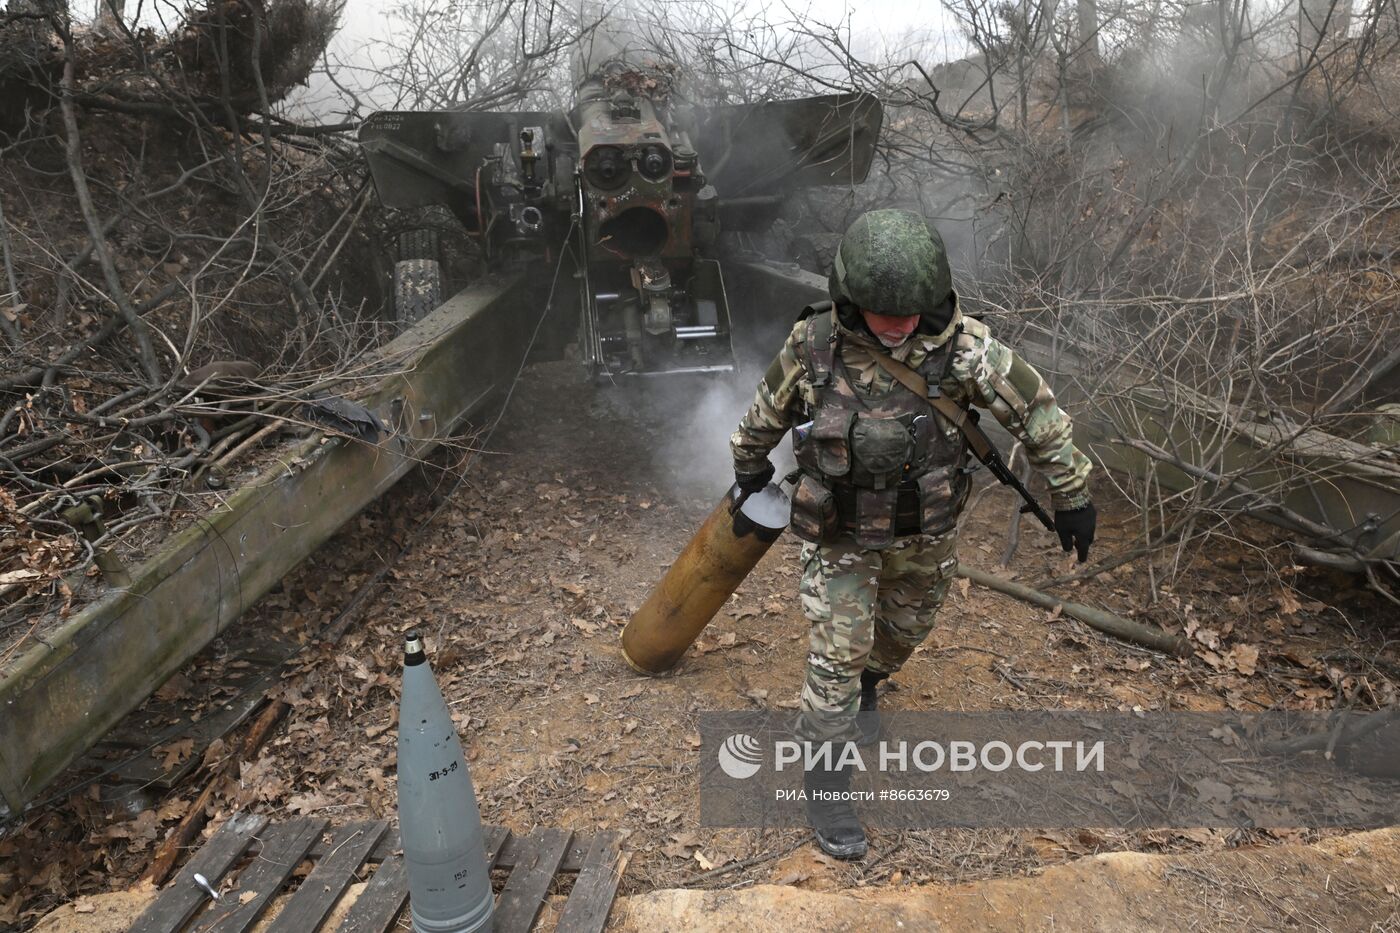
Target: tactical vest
point(877, 465)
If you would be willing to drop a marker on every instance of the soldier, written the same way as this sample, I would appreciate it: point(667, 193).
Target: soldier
point(883, 476)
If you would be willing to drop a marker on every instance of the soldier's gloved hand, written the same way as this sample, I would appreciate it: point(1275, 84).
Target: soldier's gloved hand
point(751, 482)
point(1076, 529)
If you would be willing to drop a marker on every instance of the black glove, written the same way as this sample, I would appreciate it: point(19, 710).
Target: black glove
point(750, 483)
point(1076, 529)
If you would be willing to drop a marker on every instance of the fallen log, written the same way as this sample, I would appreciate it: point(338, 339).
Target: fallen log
point(1106, 622)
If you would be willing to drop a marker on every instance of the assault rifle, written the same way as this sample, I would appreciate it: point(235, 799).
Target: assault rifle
point(987, 452)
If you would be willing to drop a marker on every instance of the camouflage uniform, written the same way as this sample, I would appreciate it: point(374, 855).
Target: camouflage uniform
point(871, 605)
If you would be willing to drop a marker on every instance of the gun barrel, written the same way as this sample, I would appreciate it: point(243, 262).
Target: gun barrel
point(1035, 509)
point(1003, 474)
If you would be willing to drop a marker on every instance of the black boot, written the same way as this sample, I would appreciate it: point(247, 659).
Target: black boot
point(868, 718)
point(835, 823)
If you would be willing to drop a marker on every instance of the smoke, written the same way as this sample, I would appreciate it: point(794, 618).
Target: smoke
point(692, 418)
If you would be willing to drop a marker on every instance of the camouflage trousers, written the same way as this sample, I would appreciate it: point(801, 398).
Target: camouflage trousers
point(868, 609)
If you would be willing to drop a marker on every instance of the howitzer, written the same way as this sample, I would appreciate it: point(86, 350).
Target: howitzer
point(627, 193)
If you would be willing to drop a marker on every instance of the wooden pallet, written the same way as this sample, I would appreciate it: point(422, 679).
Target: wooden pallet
point(251, 862)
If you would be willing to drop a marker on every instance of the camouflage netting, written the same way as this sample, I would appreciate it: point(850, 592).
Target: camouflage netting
point(284, 37)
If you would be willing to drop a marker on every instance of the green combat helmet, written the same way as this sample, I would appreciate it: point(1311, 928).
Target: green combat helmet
point(892, 262)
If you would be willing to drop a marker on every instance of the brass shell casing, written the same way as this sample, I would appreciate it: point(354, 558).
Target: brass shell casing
point(722, 553)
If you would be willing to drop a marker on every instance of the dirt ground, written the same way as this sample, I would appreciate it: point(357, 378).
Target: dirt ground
point(563, 524)
point(1340, 884)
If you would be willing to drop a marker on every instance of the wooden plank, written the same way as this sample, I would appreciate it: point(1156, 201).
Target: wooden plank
point(63, 694)
point(182, 898)
point(386, 848)
point(378, 906)
point(577, 851)
point(312, 902)
point(496, 837)
point(539, 856)
point(591, 900)
point(573, 855)
point(284, 846)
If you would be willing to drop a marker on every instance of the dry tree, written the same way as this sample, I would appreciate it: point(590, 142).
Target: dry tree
point(1200, 219)
point(1194, 198)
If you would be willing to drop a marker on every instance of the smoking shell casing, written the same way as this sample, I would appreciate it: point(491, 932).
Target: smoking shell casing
point(723, 552)
point(449, 882)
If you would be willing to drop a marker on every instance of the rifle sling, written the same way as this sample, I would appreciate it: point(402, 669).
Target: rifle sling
point(977, 439)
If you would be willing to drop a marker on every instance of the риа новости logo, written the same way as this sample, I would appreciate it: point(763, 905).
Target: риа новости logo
point(740, 756)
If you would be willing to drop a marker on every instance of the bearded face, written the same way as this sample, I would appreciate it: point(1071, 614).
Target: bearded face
point(890, 329)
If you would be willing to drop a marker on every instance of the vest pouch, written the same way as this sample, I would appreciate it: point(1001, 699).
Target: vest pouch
point(875, 512)
point(830, 440)
point(942, 492)
point(882, 447)
point(813, 511)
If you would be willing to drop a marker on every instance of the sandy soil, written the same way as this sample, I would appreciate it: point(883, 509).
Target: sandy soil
point(1346, 884)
